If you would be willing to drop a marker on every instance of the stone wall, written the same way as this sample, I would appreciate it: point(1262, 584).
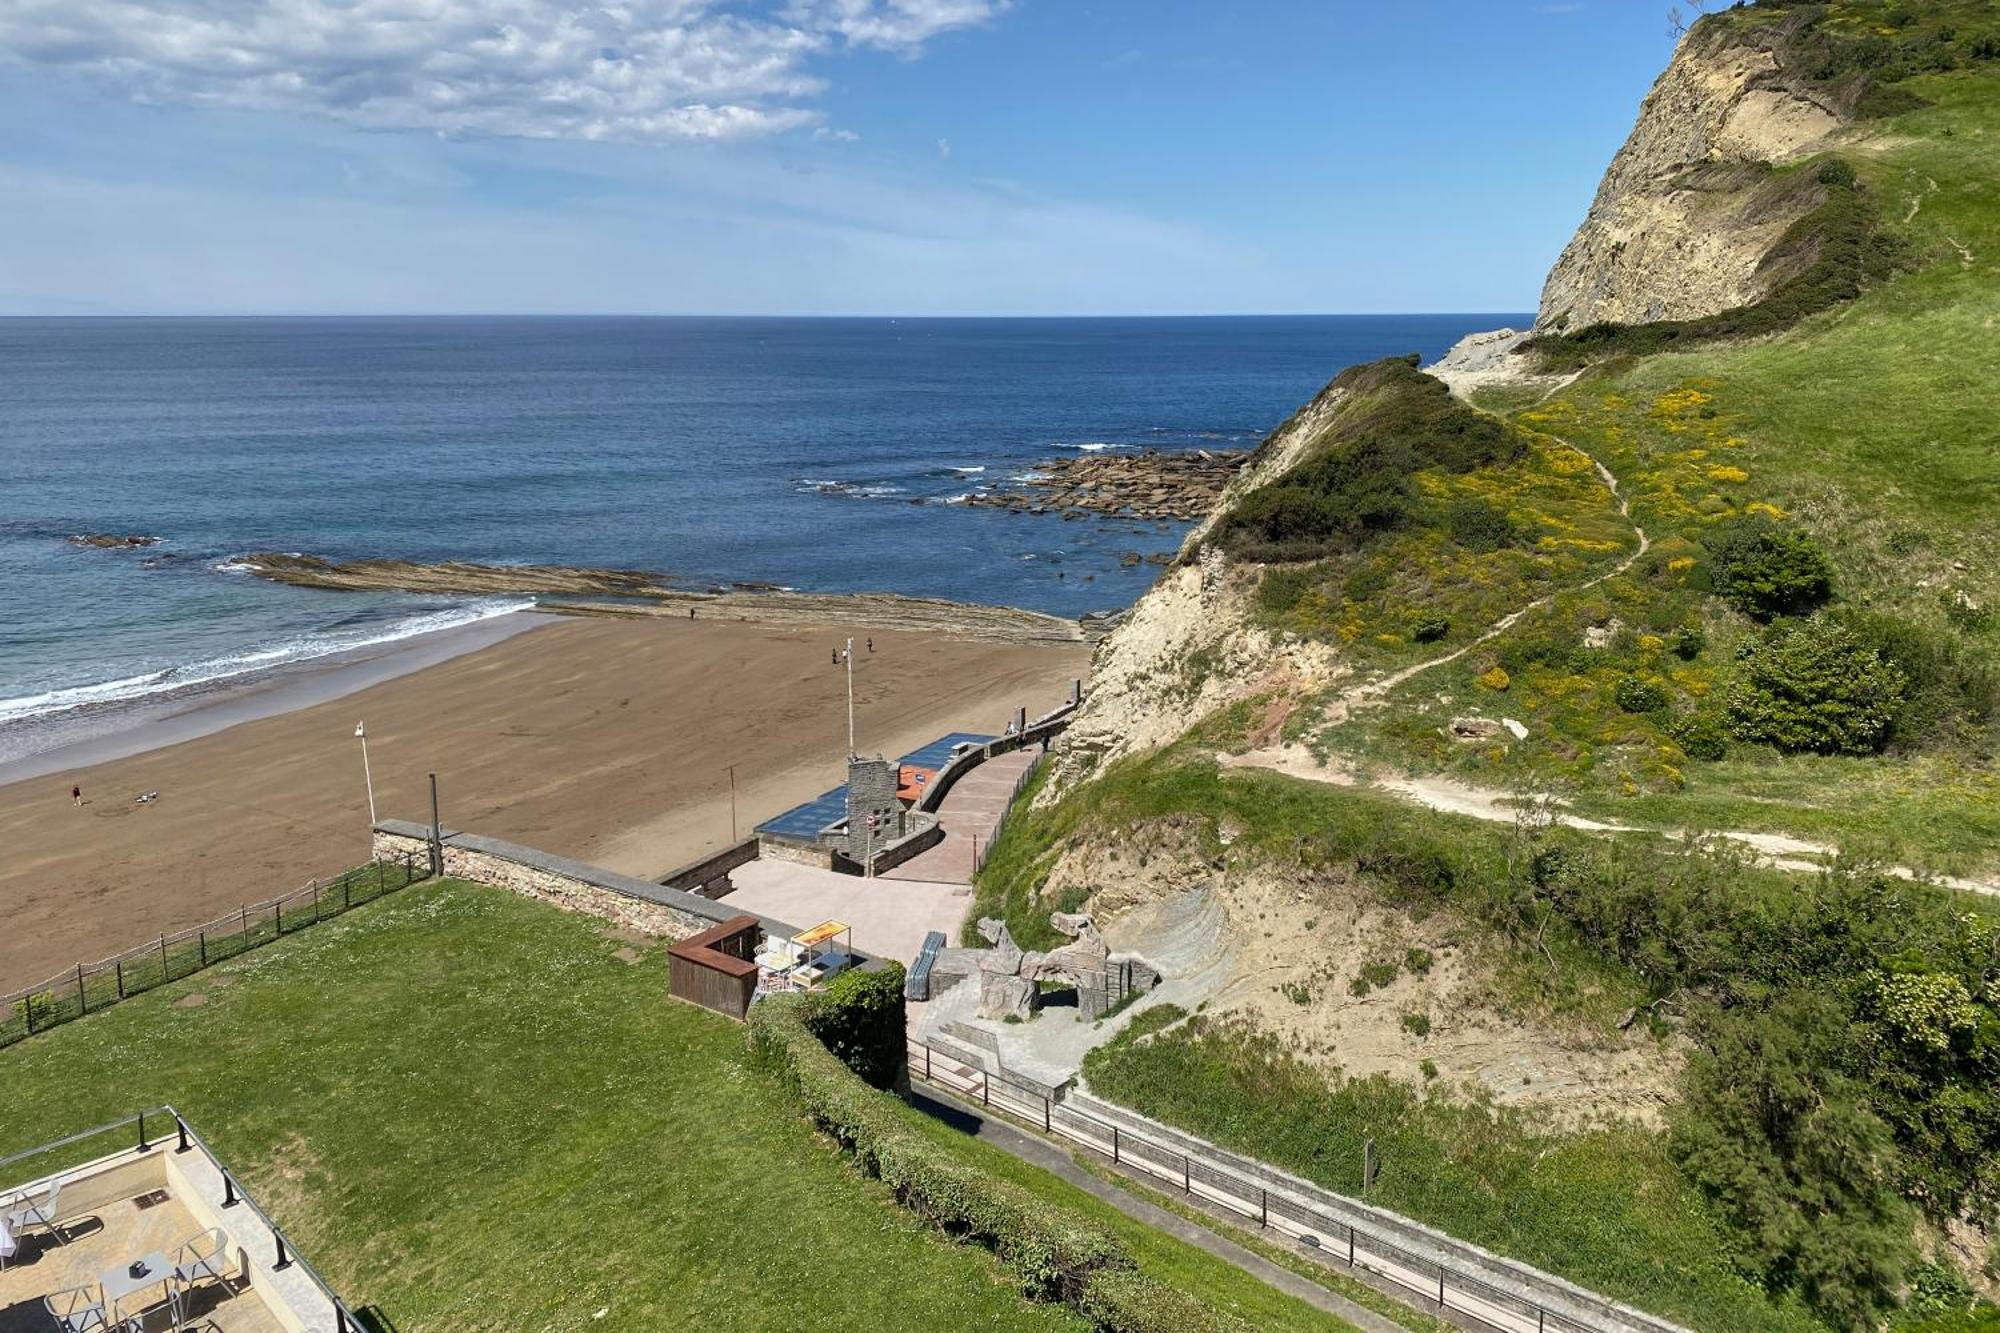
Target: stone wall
point(573, 886)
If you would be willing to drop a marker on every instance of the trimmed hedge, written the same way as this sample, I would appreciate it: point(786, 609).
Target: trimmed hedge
point(860, 1018)
point(1055, 1254)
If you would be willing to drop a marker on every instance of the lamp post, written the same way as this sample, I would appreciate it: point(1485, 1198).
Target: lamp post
point(850, 699)
point(367, 774)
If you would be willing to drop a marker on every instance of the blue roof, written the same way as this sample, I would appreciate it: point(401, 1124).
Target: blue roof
point(804, 822)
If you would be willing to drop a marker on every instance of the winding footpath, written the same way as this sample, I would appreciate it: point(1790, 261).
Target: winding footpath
point(1447, 796)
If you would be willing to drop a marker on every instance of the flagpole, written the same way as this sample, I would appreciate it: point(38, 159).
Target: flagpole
point(850, 699)
point(367, 774)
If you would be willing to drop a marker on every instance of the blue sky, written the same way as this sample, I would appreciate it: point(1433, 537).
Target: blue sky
point(804, 156)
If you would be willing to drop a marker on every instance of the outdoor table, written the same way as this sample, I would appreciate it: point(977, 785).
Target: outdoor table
point(156, 1270)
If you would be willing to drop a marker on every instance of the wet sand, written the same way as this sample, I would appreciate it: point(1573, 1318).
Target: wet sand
point(609, 740)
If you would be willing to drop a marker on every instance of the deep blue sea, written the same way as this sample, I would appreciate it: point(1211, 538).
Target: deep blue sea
point(821, 454)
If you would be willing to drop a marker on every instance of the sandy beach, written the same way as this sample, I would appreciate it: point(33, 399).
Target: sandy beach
point(605, 739)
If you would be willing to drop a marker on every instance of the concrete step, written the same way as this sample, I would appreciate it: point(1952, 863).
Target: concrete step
point(973, 1036)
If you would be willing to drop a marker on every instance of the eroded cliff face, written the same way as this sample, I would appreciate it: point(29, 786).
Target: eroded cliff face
point(1688, 211)
point(1187, 647)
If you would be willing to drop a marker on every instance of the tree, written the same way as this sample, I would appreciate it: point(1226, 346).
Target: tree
point(1814, 687)
point(1766, 571)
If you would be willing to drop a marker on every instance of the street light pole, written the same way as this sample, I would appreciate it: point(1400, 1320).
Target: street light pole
point(732, 804)
point(850, 699)
point(367, 774)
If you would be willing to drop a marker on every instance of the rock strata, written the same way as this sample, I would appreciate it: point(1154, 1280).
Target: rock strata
point(1154, 484)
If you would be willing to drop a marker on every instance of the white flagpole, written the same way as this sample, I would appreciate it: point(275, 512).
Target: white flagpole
point(850, 699)
point(367, 774)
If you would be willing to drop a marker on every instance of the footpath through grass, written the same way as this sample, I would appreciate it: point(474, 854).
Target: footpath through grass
point(468, 1112)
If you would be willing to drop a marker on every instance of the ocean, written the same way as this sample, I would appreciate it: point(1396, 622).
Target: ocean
point(821, 454)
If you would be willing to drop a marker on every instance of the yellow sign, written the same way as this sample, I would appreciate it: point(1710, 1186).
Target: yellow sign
point(821, 933)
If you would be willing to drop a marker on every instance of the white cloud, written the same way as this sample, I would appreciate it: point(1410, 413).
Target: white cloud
point(826, 135)
point(638, 70)
point(897, 25)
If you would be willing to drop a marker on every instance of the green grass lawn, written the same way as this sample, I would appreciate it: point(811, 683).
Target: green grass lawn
point(467, 1112)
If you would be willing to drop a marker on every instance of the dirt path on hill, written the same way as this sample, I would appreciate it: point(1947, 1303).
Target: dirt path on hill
point(1448, 796)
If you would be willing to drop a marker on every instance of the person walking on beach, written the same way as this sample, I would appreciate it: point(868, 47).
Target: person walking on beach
point(76, 795)
point(871, 645)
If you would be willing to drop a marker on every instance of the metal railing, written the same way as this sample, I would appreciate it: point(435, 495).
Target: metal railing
point(173, 1128)
point(1440, 1286)
point(86, 988)
point(985, 849)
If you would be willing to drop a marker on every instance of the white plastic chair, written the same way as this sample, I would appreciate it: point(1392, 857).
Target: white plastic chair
point(81, 1310)
point(205, 1258)
point(37, 1213)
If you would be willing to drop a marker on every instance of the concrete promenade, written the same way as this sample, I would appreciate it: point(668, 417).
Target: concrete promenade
point(970, 812)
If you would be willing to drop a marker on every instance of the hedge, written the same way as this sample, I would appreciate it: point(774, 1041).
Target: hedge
point(1055, 1253)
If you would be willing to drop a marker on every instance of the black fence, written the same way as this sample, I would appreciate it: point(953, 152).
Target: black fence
point(1357, 1247)
point(160, 1129)
point(89, 987)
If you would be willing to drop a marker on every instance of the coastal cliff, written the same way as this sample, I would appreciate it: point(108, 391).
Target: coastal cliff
point(1510, 756)
point(1689, 210)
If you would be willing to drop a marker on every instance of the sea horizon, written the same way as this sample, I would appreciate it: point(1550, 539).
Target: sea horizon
point(824, 453)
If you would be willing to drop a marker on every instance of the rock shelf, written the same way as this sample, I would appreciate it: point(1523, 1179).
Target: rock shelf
point(1155, 484)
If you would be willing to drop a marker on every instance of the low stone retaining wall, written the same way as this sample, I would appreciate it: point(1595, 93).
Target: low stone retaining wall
point(574, 886)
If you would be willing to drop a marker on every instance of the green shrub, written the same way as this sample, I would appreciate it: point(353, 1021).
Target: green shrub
point(1117, 1299)
point(1417, 1025)
point(1356, 482)
point(1814, 687)
point(1766, 571)
point(1417, 962)
point(1635, 694)
point(1430, 628)
point(1687, 642)
point(1948, 687)
point(1051, 1251)
point(860, 1018)
point(1837, 172)
point(1371, 977)
point(1480, 525)
point(1701, 735)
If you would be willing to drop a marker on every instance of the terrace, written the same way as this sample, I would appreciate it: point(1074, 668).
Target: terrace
point(154, 1230)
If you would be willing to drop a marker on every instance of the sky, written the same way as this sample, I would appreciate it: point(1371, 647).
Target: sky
point(813, 157)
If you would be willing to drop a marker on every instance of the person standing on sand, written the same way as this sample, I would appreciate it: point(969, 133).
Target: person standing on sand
point(871, 645)
point(76, 795)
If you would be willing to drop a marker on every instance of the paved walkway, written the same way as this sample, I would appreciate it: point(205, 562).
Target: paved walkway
point(890, 917)
point(1039, 1153)
point(970, 812)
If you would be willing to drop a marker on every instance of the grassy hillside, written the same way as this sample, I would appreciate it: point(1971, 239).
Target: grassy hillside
point(1864, 432)
point(1808, 644)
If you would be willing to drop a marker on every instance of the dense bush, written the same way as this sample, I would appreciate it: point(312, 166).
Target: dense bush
point(1479, 525)
point(1356, 483)
point(1701, 735)
point(1056, 1254)
point(860, 1018)
point(1849, 1052)
point(1814, 687)
point(1635, 694)
point(1430, 628)
point(1948, 687)
point(1766, 571)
